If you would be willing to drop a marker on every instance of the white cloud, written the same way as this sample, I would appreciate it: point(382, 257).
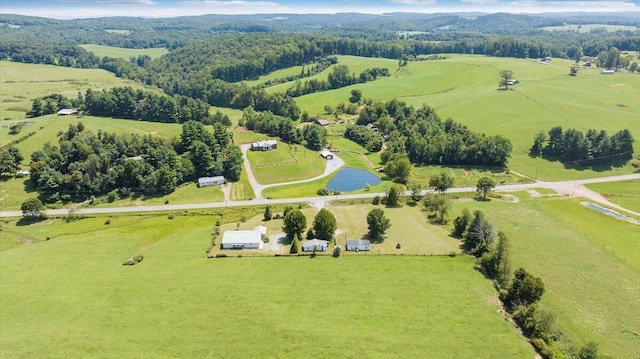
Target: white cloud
point(570, 5)
point(415, 2)
point(479, 2)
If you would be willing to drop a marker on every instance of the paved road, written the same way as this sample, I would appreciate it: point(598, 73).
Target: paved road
point(331, 166)
point(571, 188)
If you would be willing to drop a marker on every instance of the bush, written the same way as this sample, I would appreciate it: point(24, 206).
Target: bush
point(323, 192)
point(133, 260)
point(376, 200)
point(337, 251)
point(170, 216)
point(265, 239)
point(542, 348)
point(108, 221)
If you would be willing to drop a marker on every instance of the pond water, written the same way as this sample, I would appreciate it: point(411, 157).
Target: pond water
point(610, 212)
point(351, 179)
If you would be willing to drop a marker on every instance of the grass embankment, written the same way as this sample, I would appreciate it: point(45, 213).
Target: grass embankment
point(406, 306)
point(625, 194)
point(589, 262)
point(123, 53)
point(465, 88)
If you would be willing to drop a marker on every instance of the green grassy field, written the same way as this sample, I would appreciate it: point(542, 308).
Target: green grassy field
point(119, 52)
point(356, 64)
point(465, 88)
point(279, 74)
point(625, 194)
point(21, 83)
point(283, 164)
point(406, 307)
point(589, 262)
point(588, 27)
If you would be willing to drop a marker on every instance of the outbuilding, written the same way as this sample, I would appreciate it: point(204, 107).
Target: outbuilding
point(608, 72)
point(247, 239)
point(322, 122)
point(211, 181)
point(315, 244)
point(359, 245)
point(266, 145)
point(67, 112)
point(327, 155)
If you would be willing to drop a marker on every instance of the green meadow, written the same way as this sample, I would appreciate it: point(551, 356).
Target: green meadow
point(119, 52)
point(465, 88)
point(625, 194)
point(21, 83)
point(285, 163)
point(353, 306)
point(589, 262)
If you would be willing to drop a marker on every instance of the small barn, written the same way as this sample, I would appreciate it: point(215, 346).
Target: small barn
point(587, 64)
point(327, 155)
point(248, 239)
point(211, 181)
point(319, 245)
point(359, 245)
point(266, 145)
point(322, 122)
point(372, 127)
point(67, 112)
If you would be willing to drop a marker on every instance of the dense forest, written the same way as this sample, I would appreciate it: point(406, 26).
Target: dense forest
point(571, 145)
point(85, 164)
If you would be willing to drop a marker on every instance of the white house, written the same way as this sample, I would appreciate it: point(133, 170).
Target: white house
point(248, 239)
point(326, 155)
point(317, 244)
point(266, 145)
point(211, 181)
point(67, 112)
point(359, 245)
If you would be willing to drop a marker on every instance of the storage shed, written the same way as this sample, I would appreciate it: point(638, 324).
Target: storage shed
point(211, 181)
point(326, 155)
point(247, 239)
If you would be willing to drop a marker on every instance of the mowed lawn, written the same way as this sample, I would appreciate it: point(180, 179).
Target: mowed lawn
point(625, 194)
point(73, 297)
point(589, 262)
point(285, 163)
point(465, 88)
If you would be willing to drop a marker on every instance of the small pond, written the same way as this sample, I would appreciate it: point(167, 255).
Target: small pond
point(610, 212)
point(351, 179)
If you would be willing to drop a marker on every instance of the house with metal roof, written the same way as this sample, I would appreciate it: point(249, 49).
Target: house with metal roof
point(359, 245)
point(247, 239)
point(315, 244)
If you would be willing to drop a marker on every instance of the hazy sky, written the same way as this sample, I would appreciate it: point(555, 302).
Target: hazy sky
point(65, 9)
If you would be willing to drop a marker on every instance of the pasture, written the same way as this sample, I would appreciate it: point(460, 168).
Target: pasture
point(589, 262)
point(625, 194)
point(406, 306)
point(465, 88)
point(123, 53)
point(21, 83)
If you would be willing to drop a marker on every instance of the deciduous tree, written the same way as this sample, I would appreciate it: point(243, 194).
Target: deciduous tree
point(294, 223)
point(378, 223)
point(32, 208)
point(485, 184)
point(505, 76)
point(324, 225)
point(441, 182)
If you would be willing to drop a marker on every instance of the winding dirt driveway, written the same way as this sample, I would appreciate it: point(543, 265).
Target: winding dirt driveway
point(331, 166)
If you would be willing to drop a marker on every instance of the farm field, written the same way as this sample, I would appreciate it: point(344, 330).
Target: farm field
point(577, 252)
point(406, 307)
point(119, 52)
point(625, 194)
point(465, 88)
point(21, 83)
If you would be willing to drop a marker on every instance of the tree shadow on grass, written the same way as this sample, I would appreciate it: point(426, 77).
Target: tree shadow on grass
point(374, 240)
point(29, 221)
point(29, 186)
point(601, 165)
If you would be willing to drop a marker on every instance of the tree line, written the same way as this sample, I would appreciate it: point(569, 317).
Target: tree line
point(573, 145)
point(424, 138)
point(313, 136)
point(129, 103)
point(85, 164)
point(340, 76)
